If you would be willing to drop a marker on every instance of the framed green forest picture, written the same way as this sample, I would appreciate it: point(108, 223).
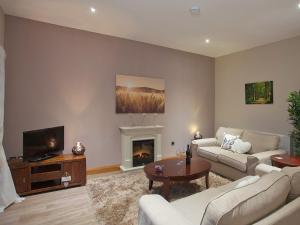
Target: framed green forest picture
point(259, 93)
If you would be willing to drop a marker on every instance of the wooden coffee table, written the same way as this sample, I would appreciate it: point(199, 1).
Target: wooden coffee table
point(175, 170)
point(285, 160)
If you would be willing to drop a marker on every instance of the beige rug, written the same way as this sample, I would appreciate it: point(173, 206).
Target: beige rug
point(115, 197)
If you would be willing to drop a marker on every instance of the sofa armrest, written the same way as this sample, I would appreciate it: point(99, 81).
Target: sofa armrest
point(155, 210)
point(265, 157)
point(288, 214)
point(205, 142)
point(252, 162)
point(262, 169)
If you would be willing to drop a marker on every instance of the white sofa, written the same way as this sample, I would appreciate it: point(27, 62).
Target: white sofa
point(264, 202)
point(235, 165)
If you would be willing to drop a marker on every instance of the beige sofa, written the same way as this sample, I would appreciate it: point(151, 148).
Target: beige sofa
point(235, 165)
point(262, 202)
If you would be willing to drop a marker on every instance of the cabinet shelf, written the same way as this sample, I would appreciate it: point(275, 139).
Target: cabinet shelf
point(46, 168)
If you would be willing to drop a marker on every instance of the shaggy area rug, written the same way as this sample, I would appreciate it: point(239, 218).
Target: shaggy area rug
point(115, 197)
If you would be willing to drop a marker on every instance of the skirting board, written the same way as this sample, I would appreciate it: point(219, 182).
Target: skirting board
point(103, 169)
point(111, 168)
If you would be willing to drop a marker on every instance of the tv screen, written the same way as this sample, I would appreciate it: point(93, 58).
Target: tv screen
point(39, 144)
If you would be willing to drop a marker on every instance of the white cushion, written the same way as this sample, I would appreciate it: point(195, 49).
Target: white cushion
point(228, 141)
point(248, 180)
point(240, 146)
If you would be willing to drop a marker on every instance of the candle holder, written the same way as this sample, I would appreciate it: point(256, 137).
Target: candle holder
point(78, 149)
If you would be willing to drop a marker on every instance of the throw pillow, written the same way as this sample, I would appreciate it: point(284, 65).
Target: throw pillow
point(228, 141)
point(240, 146)
point(246, 181)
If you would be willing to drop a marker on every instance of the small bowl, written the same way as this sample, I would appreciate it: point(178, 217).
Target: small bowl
point(158, 168)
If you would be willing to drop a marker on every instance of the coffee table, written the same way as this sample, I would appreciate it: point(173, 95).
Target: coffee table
point(175, 170)
point(285, 160)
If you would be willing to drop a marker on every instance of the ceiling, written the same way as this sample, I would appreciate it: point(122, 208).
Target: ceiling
point(231, 25)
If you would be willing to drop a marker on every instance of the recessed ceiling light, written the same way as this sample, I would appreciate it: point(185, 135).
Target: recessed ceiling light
point(93, 10)
point(207, 41)
point(299, 5)
point(195, 10)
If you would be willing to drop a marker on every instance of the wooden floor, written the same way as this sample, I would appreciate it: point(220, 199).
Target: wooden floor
point(65, 207)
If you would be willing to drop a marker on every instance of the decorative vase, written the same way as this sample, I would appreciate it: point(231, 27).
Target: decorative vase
point(78, 149)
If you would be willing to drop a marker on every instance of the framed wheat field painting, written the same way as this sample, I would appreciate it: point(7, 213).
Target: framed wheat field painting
point(137, 94)
point(259, 93)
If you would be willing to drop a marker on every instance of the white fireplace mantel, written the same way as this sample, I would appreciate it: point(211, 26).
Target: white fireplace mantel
point(130, 134)
point(139, 129)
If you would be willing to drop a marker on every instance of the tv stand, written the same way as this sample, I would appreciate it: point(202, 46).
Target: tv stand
point(43, 157)
point(55, 173)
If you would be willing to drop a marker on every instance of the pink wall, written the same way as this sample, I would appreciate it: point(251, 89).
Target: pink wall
point(61, 76)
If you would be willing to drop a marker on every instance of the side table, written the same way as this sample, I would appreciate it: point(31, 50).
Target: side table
point(285, 160)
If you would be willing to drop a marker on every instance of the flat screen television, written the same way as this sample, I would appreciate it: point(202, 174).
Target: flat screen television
point(43, 144)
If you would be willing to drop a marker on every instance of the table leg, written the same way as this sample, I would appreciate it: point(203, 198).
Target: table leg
point(150, 184)
point(166, 188)
point(207, 180)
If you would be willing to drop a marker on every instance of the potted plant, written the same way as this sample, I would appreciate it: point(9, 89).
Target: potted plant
point(294, 116)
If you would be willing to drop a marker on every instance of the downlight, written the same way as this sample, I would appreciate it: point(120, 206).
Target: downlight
point(195, 10)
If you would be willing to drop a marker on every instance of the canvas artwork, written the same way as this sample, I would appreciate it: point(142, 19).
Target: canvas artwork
point(135, 94)
point(259, 93)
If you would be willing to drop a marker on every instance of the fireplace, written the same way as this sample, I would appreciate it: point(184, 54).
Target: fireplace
point(140, 145)
point(142, 152)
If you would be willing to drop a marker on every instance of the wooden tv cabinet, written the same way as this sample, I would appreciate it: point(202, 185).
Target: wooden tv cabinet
point(46, 175)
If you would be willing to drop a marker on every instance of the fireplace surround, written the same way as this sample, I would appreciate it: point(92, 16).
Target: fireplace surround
point(140, 145)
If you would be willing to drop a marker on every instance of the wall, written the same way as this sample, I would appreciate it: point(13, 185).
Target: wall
point(2, 26)
point(278, 62)
point(62, 76)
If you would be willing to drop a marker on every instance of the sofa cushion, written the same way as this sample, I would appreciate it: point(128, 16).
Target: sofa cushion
point(210, 152)
point(193, 206)
point(294, 174)
point(235, 160)
point(245, 205)
point(260, 142)
point(222, 130)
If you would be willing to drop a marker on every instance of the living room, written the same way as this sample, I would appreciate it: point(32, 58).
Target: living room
point(219, 68)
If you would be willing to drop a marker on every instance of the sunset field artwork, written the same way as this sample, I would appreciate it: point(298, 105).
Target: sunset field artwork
point(135, 94)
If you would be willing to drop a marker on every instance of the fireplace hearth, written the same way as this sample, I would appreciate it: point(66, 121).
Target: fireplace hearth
point(142, 152)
